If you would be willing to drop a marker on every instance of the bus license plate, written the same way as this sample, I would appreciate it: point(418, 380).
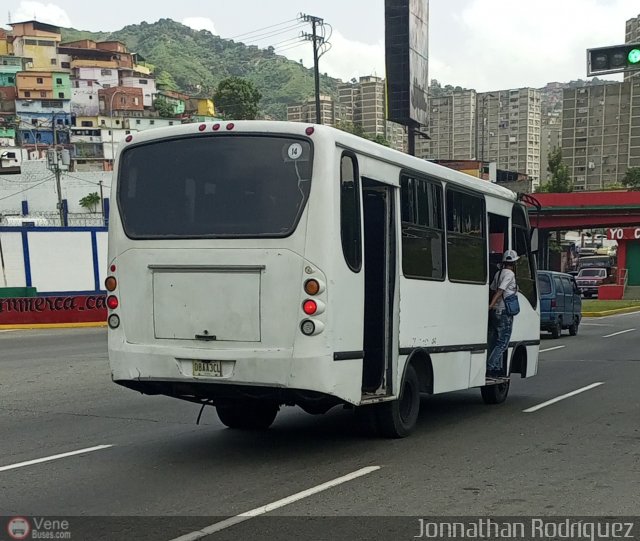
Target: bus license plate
point(212, 369)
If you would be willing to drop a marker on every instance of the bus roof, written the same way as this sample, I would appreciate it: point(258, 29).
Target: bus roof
point(340, 138)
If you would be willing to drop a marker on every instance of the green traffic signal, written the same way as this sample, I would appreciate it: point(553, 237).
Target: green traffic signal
point(634, 56)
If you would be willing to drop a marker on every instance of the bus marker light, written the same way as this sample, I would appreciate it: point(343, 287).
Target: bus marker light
point(202, 127)
point(114, 321)
point(230, 126)
point(310, 307)
point(216, 127)
point(110, 283)
point(309, 130)
point(112, 268)
point(129, 138)
point(112, 302)
point(308, 327)
point(312, 287)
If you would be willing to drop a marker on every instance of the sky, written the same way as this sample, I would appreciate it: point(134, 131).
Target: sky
point(481, 44)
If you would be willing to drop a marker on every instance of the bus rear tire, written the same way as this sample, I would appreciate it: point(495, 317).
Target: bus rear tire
point(397, 419)
point(258, 416)
point(495, 394)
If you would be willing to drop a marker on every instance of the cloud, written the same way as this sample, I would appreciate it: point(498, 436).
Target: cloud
point(45, 13)
point(505, 44)
point(200, 23)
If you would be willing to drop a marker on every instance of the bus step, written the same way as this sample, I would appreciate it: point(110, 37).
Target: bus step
point(496, 380)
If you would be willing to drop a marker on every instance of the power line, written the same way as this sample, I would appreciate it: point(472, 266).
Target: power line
point(268, 35)
point(27, 189)
point(264, 28)
point(289, 47)
point(281, 43)
point(85, 180)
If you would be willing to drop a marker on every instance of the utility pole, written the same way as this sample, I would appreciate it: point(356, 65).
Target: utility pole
point(101, 202)
point(318, 41)
point(55, 159)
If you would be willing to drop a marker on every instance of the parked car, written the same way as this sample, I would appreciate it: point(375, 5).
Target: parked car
point(560, 303)
point(589, 279)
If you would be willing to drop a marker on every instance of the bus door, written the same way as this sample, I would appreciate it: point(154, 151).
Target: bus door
point(379, 287)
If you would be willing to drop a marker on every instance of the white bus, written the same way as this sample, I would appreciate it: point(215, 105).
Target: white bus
point(259, 264)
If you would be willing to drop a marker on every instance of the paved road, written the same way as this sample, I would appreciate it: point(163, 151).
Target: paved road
point(579, 456)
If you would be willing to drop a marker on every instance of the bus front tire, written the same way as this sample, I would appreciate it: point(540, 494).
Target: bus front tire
point(257, 416)
point(397, 419)
point(495, 394)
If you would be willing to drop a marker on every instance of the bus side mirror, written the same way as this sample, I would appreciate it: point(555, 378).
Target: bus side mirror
point(534, 240)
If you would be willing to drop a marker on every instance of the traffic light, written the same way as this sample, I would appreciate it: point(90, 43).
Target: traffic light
point(615, 59)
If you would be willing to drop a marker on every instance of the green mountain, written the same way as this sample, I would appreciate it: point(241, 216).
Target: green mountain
point(196, 61)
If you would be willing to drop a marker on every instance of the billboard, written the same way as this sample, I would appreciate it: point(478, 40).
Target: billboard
point(407, 60)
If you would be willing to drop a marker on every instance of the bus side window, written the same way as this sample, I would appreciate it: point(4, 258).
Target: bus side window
point(466, 237)
point(525, 267)
point(422, 229)
point(350, 230)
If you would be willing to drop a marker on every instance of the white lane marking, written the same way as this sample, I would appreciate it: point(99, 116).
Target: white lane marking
point(597, 324)
point(53, 457)
point(551, 349)
point(559, 398)
point(248, 515)
point(627, 314)
point(617, 333)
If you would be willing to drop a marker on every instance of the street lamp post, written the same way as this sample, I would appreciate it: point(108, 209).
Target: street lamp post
point(113, 156)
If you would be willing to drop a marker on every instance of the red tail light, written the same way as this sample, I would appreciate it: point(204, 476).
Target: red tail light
point(112, 302)
point(553, 303)
point(310, 307)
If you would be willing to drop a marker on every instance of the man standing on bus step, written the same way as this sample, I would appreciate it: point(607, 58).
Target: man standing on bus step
point(500, 323)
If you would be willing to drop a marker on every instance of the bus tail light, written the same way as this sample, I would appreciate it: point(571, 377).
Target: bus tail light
point(230, 126)
point(111, 283)
point(310, 307)
point(114, 321)
point(312, 287)
point(216, 127)
point(112, 302)
point(202, 127)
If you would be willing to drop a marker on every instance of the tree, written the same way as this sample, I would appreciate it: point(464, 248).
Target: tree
point(560, 181)
point(90, 202)
point(237, 98)
point(632, 178)
point(350, 127)
point(356, 129)
point(163, 107)
point(165, 81)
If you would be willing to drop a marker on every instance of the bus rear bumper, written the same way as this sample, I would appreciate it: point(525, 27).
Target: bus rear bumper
point(270, 374)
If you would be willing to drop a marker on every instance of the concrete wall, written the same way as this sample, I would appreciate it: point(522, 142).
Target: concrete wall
point(84, 101)
point(53, 259)
point(40, 188)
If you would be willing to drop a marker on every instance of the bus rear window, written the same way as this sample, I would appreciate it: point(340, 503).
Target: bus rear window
point(217, 186)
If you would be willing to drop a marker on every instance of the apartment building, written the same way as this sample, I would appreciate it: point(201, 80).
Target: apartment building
point(550, 139)
point(452, 128)
point(632, 35)
point(601, 133)
point(331, 112)
point(508, 124)
point(366, 100)
point(37, 42)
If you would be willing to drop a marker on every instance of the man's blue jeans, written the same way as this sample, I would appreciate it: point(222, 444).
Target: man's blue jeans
point(500, 326)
